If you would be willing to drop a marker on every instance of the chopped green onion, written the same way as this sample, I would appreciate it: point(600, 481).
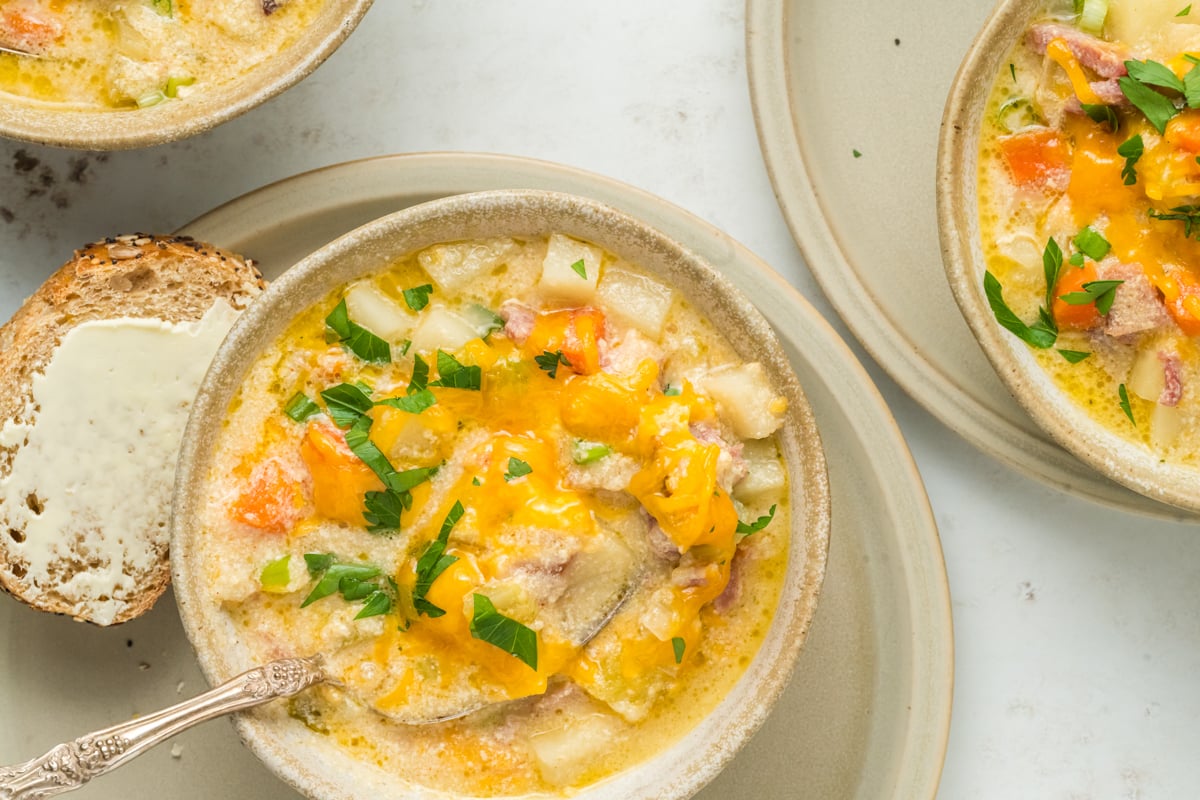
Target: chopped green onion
point(274, 576)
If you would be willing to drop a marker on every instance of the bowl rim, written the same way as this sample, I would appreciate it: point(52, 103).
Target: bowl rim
point(127, 129)
point(1129, 463)
point(373, 246)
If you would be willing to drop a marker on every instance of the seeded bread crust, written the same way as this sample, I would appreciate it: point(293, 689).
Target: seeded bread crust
point(171, 278)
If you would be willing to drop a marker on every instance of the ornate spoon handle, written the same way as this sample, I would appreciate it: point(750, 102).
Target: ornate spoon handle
point(68, 766)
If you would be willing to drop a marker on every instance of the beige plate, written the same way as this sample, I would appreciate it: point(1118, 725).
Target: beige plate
point(828, 79)
point(166, 122)
point(1132, 464)
point(867, 714)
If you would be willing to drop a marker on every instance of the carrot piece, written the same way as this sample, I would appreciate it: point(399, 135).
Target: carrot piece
point(574, 332)
point(270, 501)
point(1185, 306)
point(340, 478)
point(29, 29)
point(1183, 131)
point(1080, 317)
point(1039, 157)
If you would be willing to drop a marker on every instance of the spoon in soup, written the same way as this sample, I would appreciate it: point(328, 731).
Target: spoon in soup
point(600, 590)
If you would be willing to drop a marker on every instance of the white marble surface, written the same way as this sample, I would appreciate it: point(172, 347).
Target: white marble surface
point(1078, 638)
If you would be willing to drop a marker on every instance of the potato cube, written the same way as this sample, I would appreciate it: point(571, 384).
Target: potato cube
point(765, 478)
point(378, 313)
point(745, 399)
point(562, 278)
point(454, 266)
point(442, 329)
point(636, 301)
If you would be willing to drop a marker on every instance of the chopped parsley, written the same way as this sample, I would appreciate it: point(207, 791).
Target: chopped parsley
point(413, 403)
point(1124, 395)
point(1185, 11)
point(452, 374)
point(757, 525)
point(1012, 70)
point(517, 469)
point(347, 403)
point(1189, 215)
point(1102, 114)
point(1137, 87)
point(672, 391)
point(580, 269)
point(357, 339)
point(300, 408)
point(550, 361)
point(856, 153)
point(433, 562)
point(489, 625)
point(1102, 293)
point(678, 645)
point(383, 509)
point(418, 296)
point(355, 582)
point(1042, 334)
point(1073, 356)
point(1131, 150)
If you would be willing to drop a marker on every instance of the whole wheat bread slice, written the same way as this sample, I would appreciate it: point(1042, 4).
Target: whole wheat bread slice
point(169, 278)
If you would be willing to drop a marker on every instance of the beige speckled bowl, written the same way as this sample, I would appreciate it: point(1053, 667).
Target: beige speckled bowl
point(1131, 463)
point(319, 768)
point(167, 122)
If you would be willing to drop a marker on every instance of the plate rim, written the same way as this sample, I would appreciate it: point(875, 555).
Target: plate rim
point(932, 683)
point(929, 384)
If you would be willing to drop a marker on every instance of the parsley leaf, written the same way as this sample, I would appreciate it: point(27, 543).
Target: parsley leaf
point(333, 576)
point(1186, 10)
point(1052, 260)
point(433, 562)
point(1152, 73)
point(1092, 244)
point(1158, 109)
point(580, 269)
point(757, 525)
point(300, 407)
point(672, 391)
point(359, 441)
point(409, 479)
point(678, 645)
point(347, 403)
point(414, 403)
point(418, 296)
point(1124, 395)
point(1073, 356)
point(359, 340)
point(1132, 149)
point(489, 625)
point(420, 376)
point(1189, 215)
point(383, 511)
point(1040, 334)
point(1191, 86)
point(1102, 293)
point(1102, 114)
point(550, 361)
point(452, 374)
point(517, 469)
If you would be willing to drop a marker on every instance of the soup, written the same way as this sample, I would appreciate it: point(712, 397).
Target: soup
point(100, 54)
point(520, 479)
point(1089, 169)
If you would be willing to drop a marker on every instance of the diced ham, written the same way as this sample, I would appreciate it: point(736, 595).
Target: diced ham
point(731, 466)
point(1137, 307)
point(728, 598)
point(661, 544)
point(1104, 58)
point(518, 321)
point(1109, 92)
point(1173, 376)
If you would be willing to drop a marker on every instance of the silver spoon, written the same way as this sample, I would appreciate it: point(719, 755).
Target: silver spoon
point(70, 765)
point(17, 52)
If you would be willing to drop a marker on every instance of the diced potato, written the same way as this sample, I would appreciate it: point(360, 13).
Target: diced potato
point(1165, 424)
point(453, 266)
point(765, 478)
point(442, 329)
point(560, 280)
point(1153, 24)
point(130, 80)
point(1147, 378)
point(635, 300)
point(564, 751)
point(378, 313)
point(745, 399)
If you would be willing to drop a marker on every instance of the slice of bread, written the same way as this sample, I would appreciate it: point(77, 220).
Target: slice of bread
point(97, 370)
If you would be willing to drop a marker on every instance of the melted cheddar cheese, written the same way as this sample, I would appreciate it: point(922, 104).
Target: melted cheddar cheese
point(566, 475)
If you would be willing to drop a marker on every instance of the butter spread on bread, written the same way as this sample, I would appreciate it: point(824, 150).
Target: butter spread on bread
point(99, 369)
